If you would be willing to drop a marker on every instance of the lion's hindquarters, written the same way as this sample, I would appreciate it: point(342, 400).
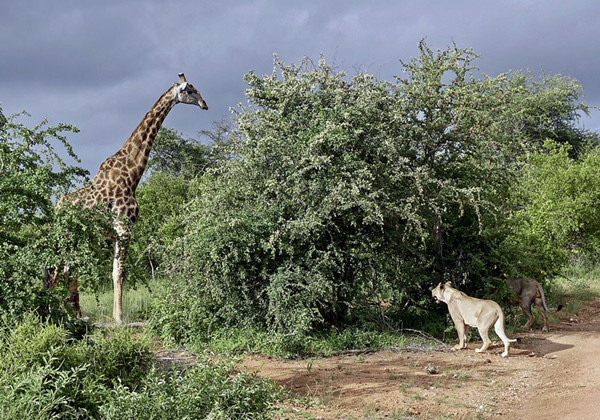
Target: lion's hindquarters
point(531, 292)
point(492, 314)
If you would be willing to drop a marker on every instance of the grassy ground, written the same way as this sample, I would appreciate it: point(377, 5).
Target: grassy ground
point(136, 302)
point(572, 289)
point(575, 286)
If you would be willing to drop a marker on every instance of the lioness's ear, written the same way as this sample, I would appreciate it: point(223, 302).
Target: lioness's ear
point(449, 283)
point(441, 286)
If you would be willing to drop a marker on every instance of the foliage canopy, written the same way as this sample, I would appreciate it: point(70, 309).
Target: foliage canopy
point(345, 192)
point(34, 237)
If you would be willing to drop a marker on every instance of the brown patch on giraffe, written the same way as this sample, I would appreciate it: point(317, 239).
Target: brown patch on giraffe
point(137, 173)
point(102, 182)
point(114, 174)
point(131, 148)
point(144, 133)
point(117, 191)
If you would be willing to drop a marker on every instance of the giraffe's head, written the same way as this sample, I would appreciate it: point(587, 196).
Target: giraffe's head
point(187, 94)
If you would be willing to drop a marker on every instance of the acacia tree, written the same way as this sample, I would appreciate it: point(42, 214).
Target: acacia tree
point(348, 191)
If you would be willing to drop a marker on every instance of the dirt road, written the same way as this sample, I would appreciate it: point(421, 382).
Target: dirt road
point(549, 376)
point(570, 388)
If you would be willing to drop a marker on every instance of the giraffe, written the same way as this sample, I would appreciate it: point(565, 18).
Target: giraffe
point(116, 182)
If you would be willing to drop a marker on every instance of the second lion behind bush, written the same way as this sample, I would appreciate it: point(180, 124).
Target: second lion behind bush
point(530, 291)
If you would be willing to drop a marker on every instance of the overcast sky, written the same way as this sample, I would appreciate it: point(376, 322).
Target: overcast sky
point(100, 65)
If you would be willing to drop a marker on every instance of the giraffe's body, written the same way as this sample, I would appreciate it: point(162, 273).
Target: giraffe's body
point(118, 177)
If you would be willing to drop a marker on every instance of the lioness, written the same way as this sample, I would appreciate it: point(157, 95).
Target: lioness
point(468, 311)
point(531, 291)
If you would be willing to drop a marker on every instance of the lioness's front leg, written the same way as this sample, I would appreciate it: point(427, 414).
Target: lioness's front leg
point(462, 329)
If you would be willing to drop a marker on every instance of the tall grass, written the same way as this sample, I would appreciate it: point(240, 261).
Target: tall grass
point(576, 284)
point(136, 303)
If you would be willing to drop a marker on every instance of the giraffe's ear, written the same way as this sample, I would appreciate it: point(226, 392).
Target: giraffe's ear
point(182, 78)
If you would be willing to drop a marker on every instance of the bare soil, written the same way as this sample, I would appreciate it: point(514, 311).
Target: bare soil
point(553, 375)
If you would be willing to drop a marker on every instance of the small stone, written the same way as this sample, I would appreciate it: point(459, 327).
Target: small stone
point(413, 411)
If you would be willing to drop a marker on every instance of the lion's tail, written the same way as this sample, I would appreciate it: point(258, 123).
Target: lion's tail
point(543, 296)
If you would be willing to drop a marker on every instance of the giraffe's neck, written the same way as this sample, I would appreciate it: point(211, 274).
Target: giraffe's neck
point(128, 164)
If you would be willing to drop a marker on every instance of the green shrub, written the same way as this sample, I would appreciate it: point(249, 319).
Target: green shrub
point(33, 236)
point(555, 218)
point(344, 192)
point(42, 392)
point(47, 374)
point(207, 390)
point(43, 362)
point(117, 355)
point(31, 343)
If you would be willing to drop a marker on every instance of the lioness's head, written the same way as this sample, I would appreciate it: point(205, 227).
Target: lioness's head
point(438, 292)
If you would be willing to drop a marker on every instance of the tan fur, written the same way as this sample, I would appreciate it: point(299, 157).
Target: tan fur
point(469, 311)
point(530, 291)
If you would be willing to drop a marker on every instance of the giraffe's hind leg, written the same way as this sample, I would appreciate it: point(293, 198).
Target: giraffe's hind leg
point(74, 295)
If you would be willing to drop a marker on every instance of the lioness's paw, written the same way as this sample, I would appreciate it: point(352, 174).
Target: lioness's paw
point(505, 354)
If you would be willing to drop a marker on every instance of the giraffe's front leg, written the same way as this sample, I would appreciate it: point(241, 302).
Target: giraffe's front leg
point(117, 275)
point(119, 270)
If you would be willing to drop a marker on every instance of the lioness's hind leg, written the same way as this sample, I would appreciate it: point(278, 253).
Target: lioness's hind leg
point(465, 336)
